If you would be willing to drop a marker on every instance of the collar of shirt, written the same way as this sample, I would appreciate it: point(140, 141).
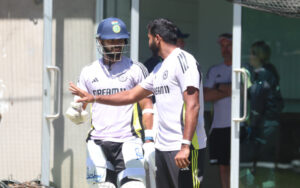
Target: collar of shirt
point(116, 69)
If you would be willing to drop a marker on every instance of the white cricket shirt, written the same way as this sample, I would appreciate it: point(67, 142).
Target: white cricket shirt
point(112, 123)
point(168, 81)
point(218, 74)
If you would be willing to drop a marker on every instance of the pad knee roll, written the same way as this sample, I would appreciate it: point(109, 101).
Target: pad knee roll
point(134, 184)
point(102, 185)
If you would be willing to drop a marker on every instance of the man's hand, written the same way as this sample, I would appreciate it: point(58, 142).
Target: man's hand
point(182, 157)
point(85, 96)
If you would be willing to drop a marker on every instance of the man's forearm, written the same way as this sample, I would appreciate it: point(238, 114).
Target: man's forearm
point(123, 98)
point(226, 88)
point(118, 99)
point(213, 94)
point(191, 121)
point(148, 121)
point(147, 111)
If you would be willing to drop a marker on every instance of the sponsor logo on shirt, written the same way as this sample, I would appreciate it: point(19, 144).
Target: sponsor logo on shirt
point(161, 90)
point(95, 80)
point(108, 91)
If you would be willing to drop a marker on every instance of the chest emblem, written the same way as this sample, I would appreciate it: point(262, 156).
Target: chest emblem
point(122, 78)
point(165, 75)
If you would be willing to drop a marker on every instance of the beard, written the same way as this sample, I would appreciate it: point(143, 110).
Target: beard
point(113, 55)
point(154, 48)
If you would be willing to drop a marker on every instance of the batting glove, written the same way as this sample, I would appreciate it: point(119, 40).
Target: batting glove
point(149, 155)
point(76, 114)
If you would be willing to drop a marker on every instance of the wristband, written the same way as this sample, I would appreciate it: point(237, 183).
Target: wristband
point(148, 133)
point(148, 138)
point(187, 142)
point(148, 110)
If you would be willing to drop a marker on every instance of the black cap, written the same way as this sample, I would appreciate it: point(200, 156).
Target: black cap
point(182, 35)
point(227, 36)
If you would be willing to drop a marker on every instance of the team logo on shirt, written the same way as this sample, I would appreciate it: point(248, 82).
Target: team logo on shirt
point(165, 75)
point(122, 78)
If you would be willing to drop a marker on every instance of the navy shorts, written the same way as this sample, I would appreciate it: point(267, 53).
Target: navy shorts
point(219, 146)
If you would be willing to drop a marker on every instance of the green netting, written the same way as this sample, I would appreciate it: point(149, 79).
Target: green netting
point(290, 8)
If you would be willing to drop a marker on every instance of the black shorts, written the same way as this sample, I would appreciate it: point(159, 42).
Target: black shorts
point(113, 153)
point(168, 175)
point(219, 146)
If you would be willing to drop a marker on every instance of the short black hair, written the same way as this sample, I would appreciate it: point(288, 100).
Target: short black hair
point(163, 27)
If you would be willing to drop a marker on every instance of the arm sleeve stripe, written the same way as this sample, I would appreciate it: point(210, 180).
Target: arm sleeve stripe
point(143, 68)
point(183, 67)
point(183, 62)
point(180, 64)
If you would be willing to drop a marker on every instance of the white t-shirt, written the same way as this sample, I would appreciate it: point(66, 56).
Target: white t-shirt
point(168, 81)
point(218, 74)
point(112, 123)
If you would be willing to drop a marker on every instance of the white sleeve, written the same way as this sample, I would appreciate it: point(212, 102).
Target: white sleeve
point(148, 83)
point(210, 79)
point(81, 83)
point(188, 72)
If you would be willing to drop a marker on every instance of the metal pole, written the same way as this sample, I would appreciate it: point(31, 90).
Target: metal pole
point(134, 42)
point(235, 102)
point(47, 59)
point(98, 19)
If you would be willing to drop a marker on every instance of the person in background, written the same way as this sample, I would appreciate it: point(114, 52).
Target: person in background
point(181, 37)
point(266, 104)
point(217, 89)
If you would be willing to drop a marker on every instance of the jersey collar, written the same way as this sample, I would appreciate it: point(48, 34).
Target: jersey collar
point(117, 68)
